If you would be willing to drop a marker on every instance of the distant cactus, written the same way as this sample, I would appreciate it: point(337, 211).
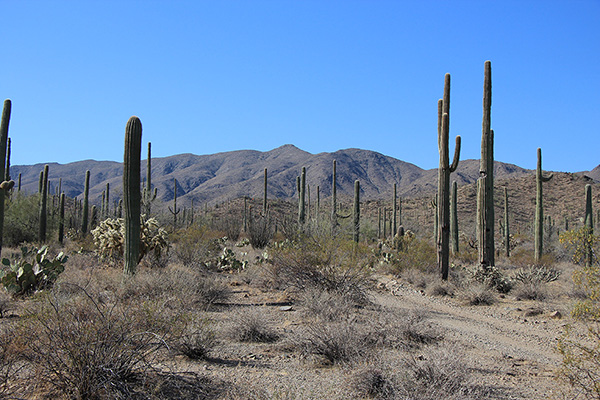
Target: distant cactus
point(94, 217)
point(444, 171)
point(334, 200)
point(589, 225)
point(106, 213)
point(148, 195)
point(264, 195)
point(394, 202)
point(43, 205)
point(61, 222)
point(506, 225)
point(175, 211)
point(131, 193)
point(485, 183)
point(41, 182)
point(539, 207)
point(356, 213)
point(19, 187)
point(86, 199)
point(302, 200)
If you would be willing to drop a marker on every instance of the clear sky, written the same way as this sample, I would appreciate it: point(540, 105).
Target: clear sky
point(324, 75)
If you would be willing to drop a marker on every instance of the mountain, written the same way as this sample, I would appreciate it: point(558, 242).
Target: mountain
point(218, 177)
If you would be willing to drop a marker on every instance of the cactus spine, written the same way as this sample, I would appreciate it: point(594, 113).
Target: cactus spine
point(43, 205)
point(86, 198)
point(539, 207)
point(3, 140)
point(589, 225)
point(444, 171)
point(302, 202)
point(485, 182)
point(506, 226)
point(454, 218)
point(356, 212)
point(61, 222)
point(131, 193)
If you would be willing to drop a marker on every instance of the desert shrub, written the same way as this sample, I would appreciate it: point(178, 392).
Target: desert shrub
point(260, 231)
point(325, 305)
point(21, 220)
point(230, 224)
point(194, 246)
point(373, 383)
point(440, 288)
point(419, 279)
point(531, 291)
point(479, 294)
point(489, 276)
point(335, 343)
point(414, 253)
point(109, 238)
point(525, 257)
point(87, 350)
point(197, 340)
point(579, 243)
point(401, 330)
point(251, 326)
point(438, 374)
point(10, 363)
point(333, 264)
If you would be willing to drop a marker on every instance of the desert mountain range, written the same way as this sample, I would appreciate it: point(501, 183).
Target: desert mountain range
point(217, 177)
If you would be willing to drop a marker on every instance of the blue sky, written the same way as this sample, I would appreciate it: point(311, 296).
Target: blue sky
point(214, 76)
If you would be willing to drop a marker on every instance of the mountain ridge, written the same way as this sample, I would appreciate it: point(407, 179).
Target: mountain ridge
point(217, 177)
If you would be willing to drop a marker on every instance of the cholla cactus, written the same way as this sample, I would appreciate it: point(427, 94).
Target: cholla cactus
point(109, 238)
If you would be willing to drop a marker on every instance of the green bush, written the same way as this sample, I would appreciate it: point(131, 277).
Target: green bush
point(21, 220)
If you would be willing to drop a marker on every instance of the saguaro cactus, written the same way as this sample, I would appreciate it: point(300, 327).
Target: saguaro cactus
point(86, 198)
point(506, 226)
point(394, 202)
point(174, 210)
point(539, 207)
point(3, 140)
point(485, 183)
point(444, 171)
point(302, 201)
point(149, 195)
point(131, 193)
point(61, 221)
point(43, 205)
point(589, 225)
point(356, 212)
point(333, 199)
point(264, 195)
point(454, 218)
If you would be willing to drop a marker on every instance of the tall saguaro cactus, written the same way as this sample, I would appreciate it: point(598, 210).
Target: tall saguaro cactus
point(265, 195)
point(61, 222)
point(539, 207)
point(334, 199)
point(356, 212)
point(485, 182)
point(149, 195)
point(174, 210)
point(43, 205)
point(444, 171)
point(85, 208)
point(3, 140)
point(302, 201)
point(131, 193)
point(394, 202)
point(589, 225)
point(506, 226)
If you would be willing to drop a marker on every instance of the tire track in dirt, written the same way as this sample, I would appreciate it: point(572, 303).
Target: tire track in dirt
point(508, 336)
